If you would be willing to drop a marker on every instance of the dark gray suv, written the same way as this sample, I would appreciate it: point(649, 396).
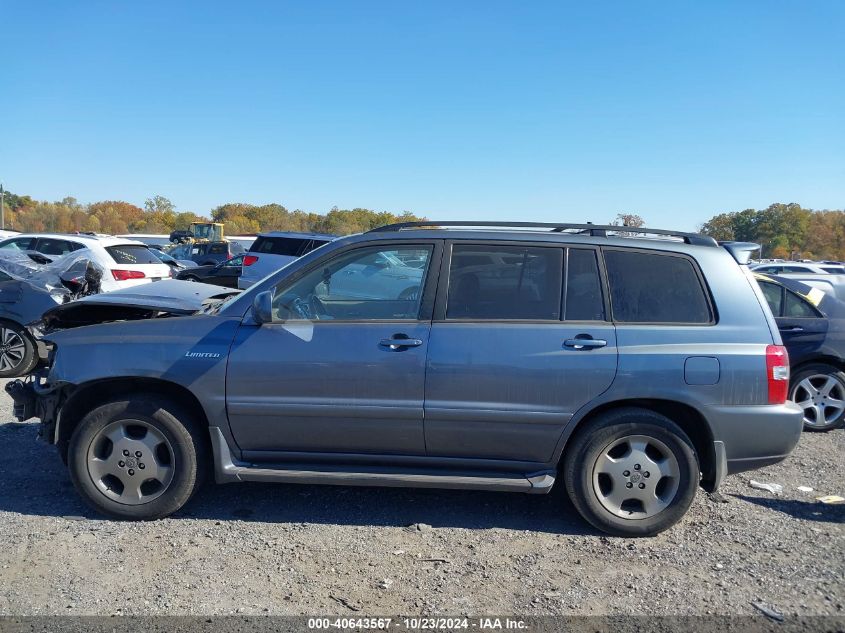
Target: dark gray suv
point(634, 367)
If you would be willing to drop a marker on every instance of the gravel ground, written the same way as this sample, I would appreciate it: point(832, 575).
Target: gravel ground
point(280, 549)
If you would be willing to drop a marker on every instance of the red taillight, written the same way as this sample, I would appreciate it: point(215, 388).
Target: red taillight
point(123, 275)
point(777, 373)
point(249, 260)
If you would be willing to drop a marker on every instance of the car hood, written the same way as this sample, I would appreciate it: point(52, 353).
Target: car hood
point(170, 297)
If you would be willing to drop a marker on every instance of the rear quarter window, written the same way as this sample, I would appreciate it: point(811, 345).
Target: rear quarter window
point(132, 254)
point(655, 288)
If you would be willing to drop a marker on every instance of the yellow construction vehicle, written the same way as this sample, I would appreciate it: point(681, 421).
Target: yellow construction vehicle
point(199, 232)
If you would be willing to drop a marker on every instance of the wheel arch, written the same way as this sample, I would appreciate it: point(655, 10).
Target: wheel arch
point(87, 396)
point(5, 320)
point(691, 421)
point(826, 359)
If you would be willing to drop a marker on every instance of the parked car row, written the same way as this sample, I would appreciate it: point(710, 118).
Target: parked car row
point(27, 291)
point(455, 355)
point(827, 276)
point(816, 268)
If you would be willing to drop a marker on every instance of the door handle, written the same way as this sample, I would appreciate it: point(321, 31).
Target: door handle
point(793, 328)
point(585, 343)
point(398, 342)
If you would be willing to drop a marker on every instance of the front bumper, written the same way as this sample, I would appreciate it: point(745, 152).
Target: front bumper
point(35, 399)
point(756, 436)
point(24, 397)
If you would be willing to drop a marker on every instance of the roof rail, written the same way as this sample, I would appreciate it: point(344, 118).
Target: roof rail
point(596, 230)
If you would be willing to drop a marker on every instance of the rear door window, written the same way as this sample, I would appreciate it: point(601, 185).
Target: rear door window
point(584, 300)
point(18, 244)
point(774, 296)
point(655, 288)
point(132, 254)
point(493, 282)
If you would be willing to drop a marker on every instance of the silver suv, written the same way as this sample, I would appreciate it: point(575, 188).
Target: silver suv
point(632, 367)
point(272, 251)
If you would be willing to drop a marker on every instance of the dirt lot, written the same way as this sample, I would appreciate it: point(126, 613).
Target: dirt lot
point(279, 549)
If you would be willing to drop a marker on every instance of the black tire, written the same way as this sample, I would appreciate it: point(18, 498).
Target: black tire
point(584, 484)
point(185, 439)
point(817, 375)
point(190, 278)
point(18, 350)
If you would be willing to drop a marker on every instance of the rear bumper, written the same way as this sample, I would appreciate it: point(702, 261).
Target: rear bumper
point(756, 436)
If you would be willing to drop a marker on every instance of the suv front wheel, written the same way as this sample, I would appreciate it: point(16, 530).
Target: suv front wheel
point(631, 472)
point(137, 457)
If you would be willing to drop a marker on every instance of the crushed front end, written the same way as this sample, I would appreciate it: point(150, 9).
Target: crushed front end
point(34, 397)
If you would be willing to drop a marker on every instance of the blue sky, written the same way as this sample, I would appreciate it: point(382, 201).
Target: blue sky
point(567, 111)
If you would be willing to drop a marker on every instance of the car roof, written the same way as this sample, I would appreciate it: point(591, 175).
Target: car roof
point(105, 240)
point(294, 234)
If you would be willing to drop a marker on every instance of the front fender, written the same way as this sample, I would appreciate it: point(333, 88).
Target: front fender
point(190, 351)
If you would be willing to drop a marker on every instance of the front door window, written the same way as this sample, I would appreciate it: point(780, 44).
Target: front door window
point(375, 283)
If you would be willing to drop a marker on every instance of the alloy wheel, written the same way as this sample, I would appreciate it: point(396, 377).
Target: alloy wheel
point(636, 477)
point(131, 462)
point(12, 349)
point(823, 399)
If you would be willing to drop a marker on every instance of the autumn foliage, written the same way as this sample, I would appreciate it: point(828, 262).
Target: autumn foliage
point(786, 231)
point(159, 216)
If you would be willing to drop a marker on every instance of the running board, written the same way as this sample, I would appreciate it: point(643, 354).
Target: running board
point(228, 470)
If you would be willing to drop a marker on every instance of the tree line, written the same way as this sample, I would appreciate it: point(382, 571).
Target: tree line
point(159, 216)
point(786, 231)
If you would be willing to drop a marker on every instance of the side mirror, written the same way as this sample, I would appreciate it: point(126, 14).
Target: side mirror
point(262, 307)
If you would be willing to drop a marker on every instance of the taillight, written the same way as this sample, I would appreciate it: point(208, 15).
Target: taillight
point(249, 260)
point(777, 373)
point(123, 275)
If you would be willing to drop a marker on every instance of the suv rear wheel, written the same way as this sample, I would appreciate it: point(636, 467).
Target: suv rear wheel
point(139, 457)
point(819, 389)
point(631, 472)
